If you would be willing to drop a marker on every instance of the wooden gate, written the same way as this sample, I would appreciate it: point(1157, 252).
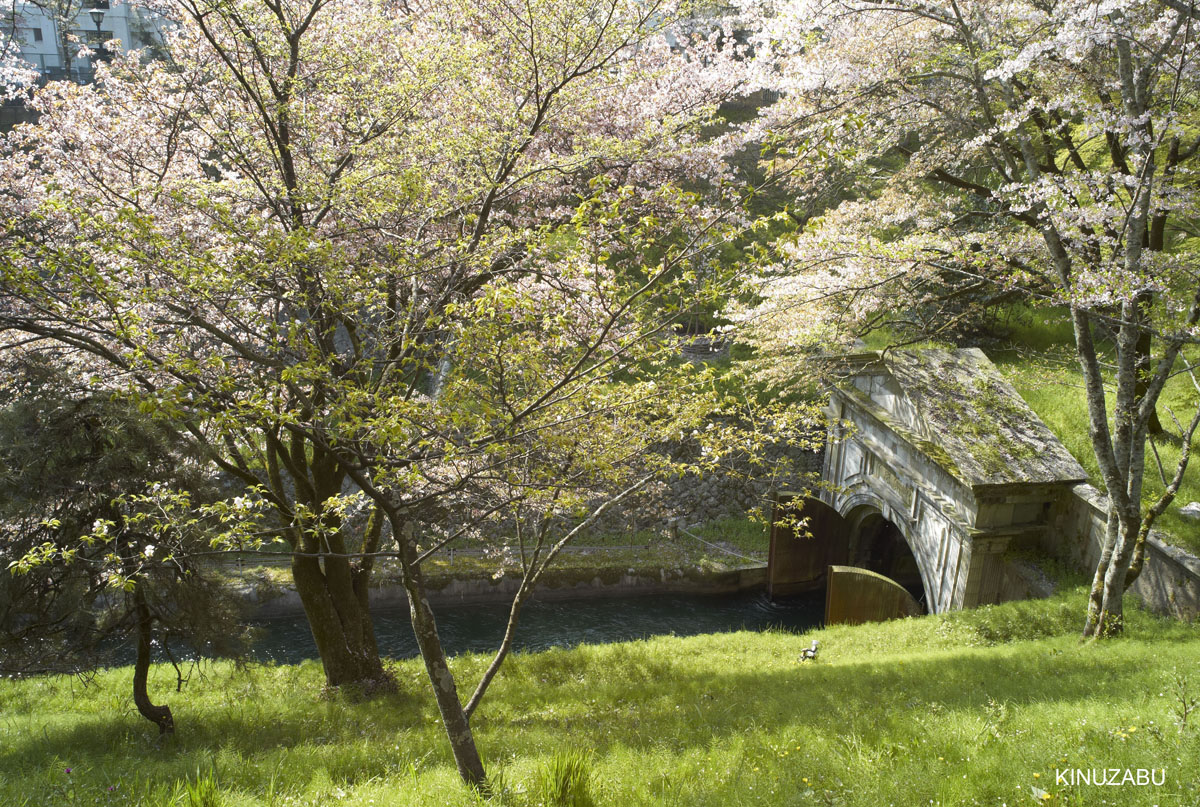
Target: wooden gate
point(856, 595)
point(807, 537)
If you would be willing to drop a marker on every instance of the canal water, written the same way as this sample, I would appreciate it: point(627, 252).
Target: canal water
point(561, 623)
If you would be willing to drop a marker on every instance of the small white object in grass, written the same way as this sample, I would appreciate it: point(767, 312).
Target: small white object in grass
point(809, 652)
point(1190, 510)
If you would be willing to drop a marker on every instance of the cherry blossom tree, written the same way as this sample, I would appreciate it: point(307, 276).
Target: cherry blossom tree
point(402, 270)
point(1043, 149)
point(16, 74)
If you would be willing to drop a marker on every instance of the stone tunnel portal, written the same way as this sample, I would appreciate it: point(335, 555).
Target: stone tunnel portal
point(899, 459)
point(878, 545)
point(808, 536)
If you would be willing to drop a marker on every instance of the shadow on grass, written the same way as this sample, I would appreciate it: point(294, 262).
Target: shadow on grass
point(221, 715)
point(676, 694)
point(668, 706)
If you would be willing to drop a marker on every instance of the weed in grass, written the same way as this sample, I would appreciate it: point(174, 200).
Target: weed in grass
point(203, 791)
point(566, 780)
point(995, 715)
point(1185, 702)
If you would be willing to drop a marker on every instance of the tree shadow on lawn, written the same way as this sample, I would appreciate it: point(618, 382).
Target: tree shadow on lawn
point(605, 698)
point(670, 707)
point(246, 725)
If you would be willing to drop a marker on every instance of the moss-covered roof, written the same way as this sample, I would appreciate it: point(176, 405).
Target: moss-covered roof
point(966, 417)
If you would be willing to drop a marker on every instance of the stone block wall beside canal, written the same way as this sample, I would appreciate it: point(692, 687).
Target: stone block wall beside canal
point(730, 491)
point(556, 585)
point(1169, 582)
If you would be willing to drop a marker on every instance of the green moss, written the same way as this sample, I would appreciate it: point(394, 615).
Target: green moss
point(938, 454)
point(982, 415)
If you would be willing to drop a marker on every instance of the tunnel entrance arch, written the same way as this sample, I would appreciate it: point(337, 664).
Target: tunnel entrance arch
point(879, 545)
point(937, 448)
point(862, 561)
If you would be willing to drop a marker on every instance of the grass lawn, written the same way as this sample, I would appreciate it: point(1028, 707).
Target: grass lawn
point(743, 535)
point(968, 708)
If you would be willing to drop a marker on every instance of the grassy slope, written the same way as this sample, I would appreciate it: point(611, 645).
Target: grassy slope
point(1037, 355)
point(942, 710)
point(1041, 364)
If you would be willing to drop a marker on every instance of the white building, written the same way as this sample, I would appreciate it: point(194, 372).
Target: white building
point(50, 32)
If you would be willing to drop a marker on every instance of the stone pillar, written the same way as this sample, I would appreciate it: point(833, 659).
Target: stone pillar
point(984, 569)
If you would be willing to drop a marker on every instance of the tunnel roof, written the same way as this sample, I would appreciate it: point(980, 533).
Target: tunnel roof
point(957, 409)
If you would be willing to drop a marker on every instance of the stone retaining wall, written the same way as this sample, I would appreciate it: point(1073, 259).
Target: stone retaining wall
point(728, 492)
point(1169, 582)
point(699, 500)
point(696, 581)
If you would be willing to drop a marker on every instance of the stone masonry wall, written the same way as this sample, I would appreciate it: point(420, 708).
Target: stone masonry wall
point(730, 491)
point(718, 495)
point(1169, 582)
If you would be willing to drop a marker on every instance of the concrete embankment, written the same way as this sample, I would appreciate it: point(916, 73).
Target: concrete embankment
point(265, 601)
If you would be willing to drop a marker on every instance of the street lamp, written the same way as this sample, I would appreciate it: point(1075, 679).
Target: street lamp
point(97, 15)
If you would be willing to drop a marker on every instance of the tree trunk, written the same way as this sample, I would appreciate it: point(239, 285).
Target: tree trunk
point(1110, 618)
point(340, 621)
point(1091, 628)
point(510, 632)
point(360, 577)
point(158, 715)
point(1144, 346)
point(1121, 454)
point(333, 591)
point(445, 691)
